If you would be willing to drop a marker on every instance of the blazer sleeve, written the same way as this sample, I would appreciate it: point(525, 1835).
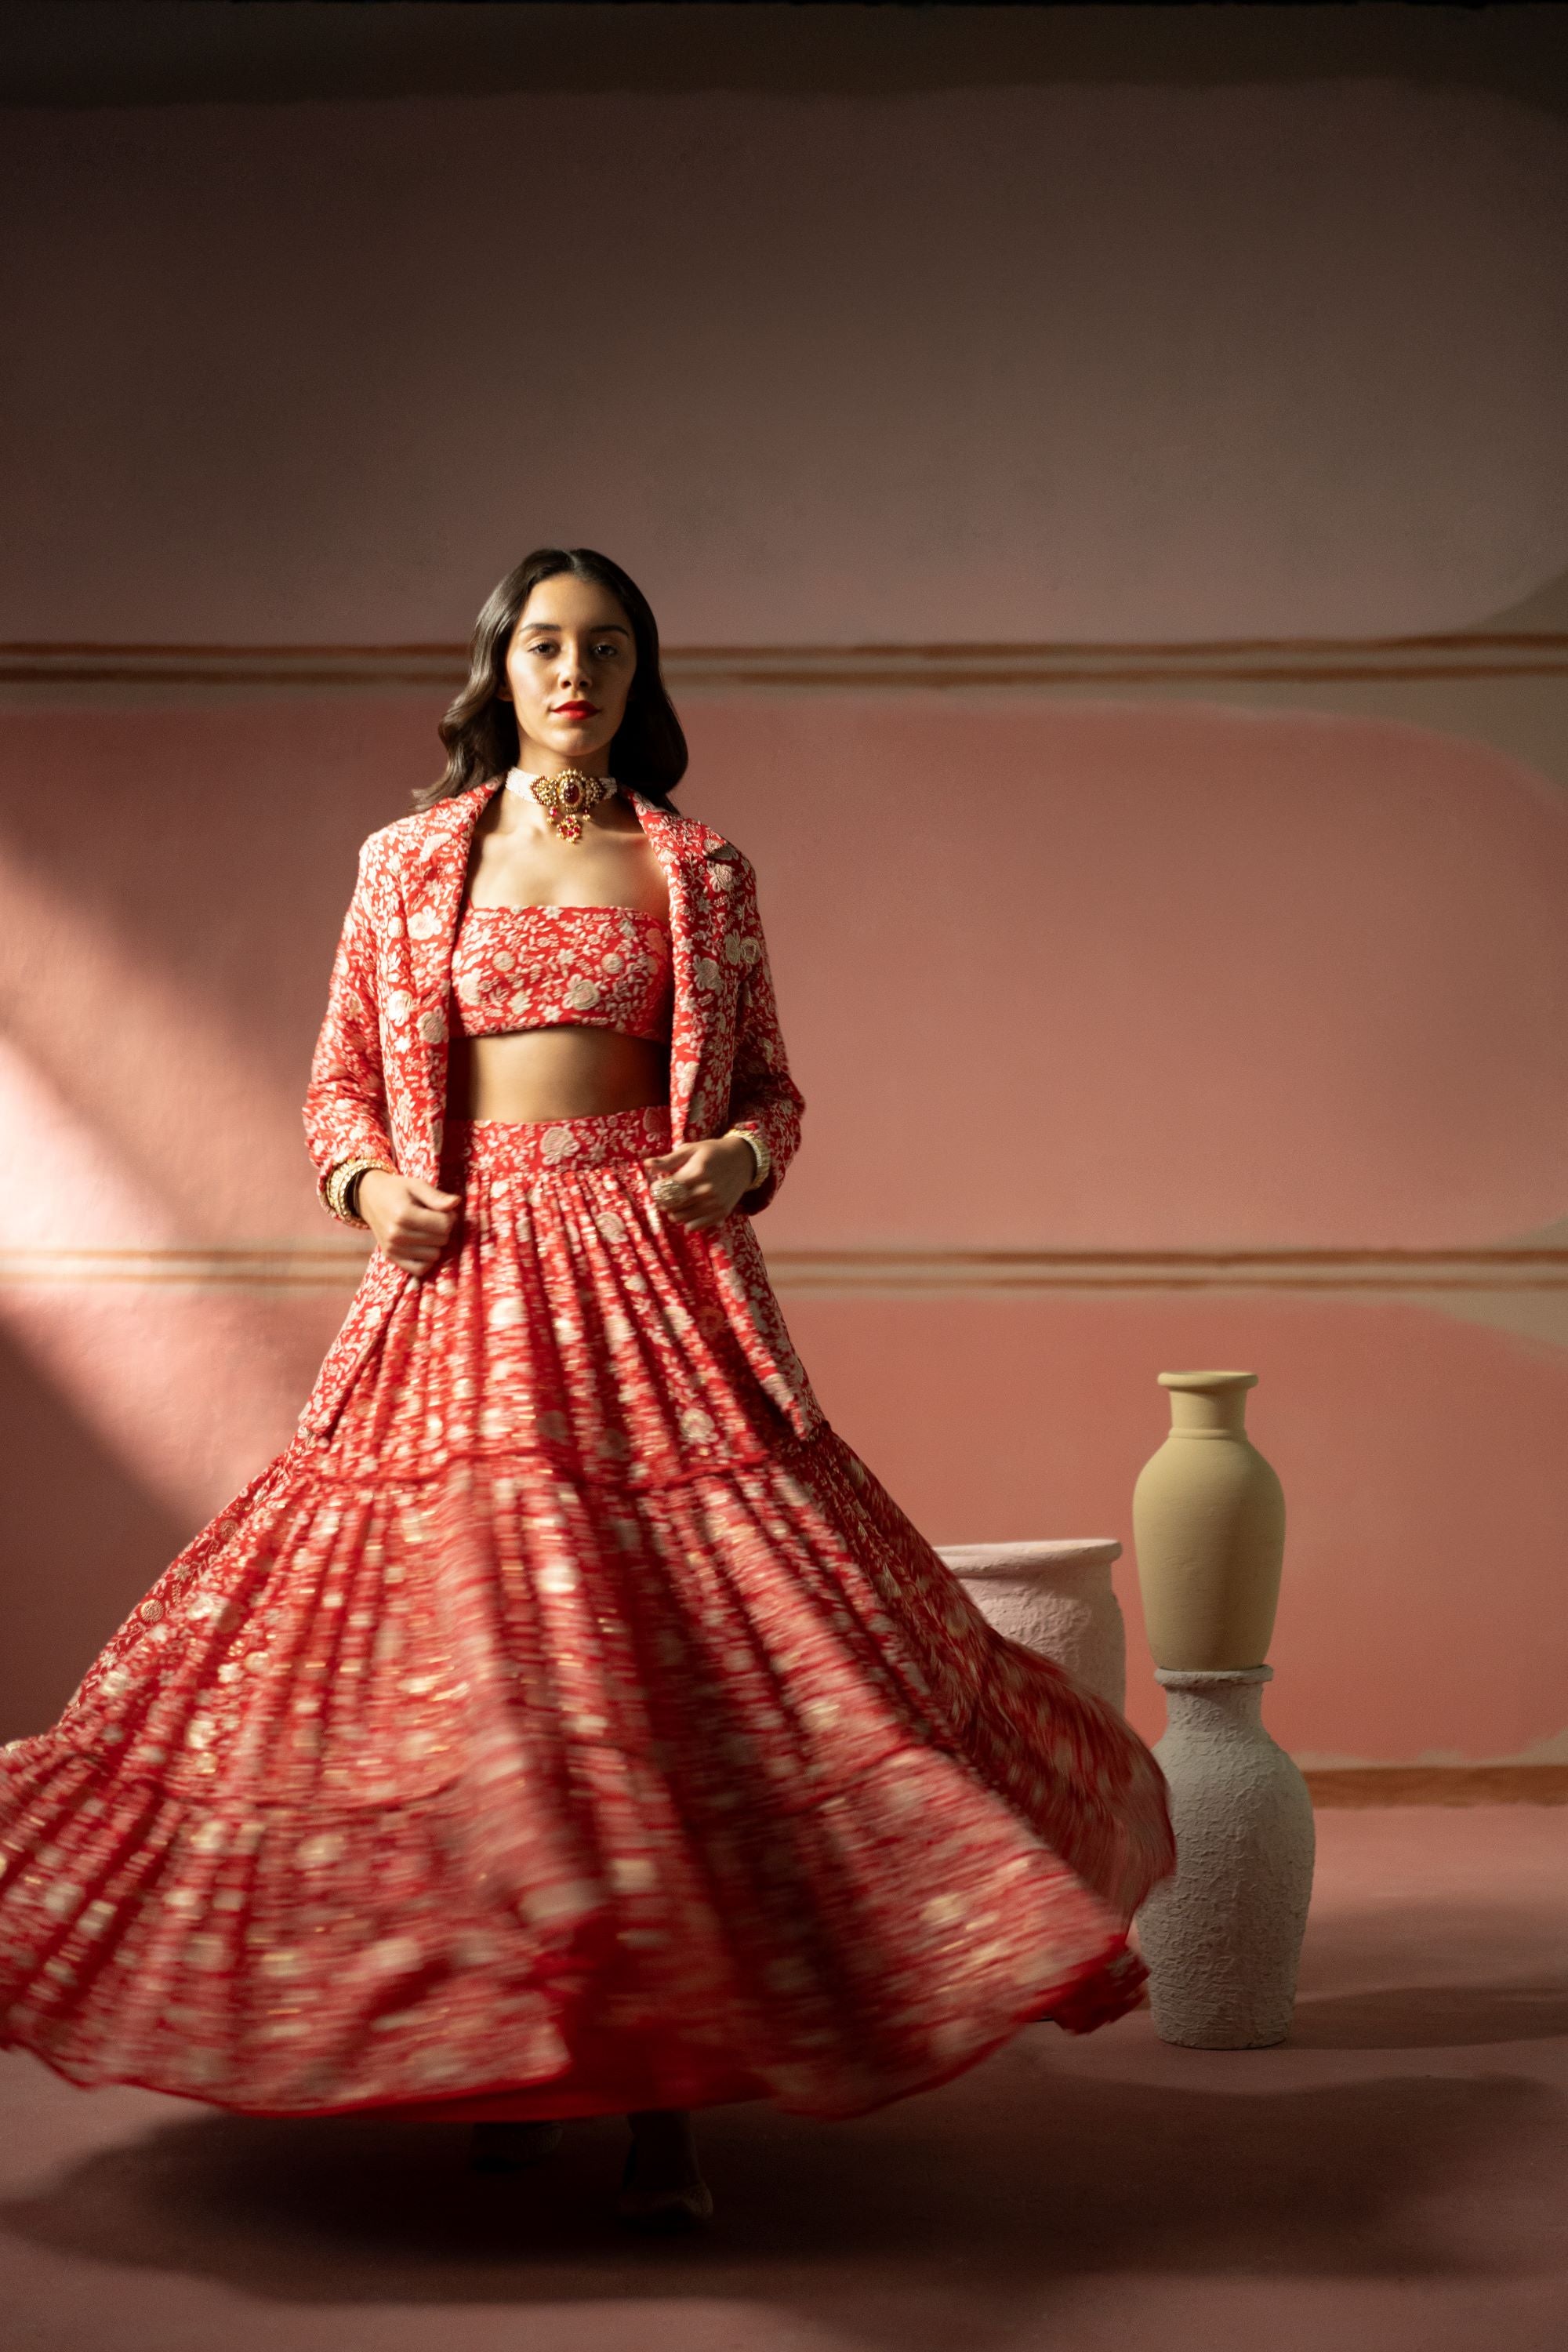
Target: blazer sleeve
point(345, 1102)
point(763, 1095)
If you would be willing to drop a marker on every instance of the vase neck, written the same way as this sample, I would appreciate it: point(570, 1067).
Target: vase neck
point(1208, 1413)
point(1222, 1701)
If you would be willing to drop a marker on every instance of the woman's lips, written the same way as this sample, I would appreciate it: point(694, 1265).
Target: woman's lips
point(576, 711)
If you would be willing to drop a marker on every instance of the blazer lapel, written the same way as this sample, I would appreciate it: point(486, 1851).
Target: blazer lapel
point(683, 845)
point(433, 897)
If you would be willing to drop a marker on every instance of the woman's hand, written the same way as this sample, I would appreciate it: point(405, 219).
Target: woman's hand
point(705, 1180)
point(411, 1221)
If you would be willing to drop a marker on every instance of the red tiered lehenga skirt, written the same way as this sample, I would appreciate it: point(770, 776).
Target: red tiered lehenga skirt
point(565, 1735)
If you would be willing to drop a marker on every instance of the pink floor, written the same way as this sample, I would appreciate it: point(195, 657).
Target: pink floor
point(1394, 2180)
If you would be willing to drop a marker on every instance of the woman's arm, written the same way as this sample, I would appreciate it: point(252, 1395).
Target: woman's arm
point(345, 1102)
point(763, 1098)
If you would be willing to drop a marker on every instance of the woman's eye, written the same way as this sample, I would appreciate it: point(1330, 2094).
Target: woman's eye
point(606, 650)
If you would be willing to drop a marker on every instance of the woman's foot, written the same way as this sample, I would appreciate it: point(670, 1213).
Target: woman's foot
point(662, 2187)
point(510, 2147)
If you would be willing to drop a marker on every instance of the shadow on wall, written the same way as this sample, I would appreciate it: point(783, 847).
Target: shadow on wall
point(82, 1544)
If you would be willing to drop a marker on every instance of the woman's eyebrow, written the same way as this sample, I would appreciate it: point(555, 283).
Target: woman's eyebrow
point(602, 629)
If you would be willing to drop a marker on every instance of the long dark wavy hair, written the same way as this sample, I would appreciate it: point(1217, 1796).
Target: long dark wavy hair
point(479, 729)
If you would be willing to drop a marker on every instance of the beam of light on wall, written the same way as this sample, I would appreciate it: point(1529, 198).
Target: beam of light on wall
point(191, 1109)
point(189, 1389)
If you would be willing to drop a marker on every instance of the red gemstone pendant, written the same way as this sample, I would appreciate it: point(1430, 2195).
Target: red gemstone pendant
point(565, 796)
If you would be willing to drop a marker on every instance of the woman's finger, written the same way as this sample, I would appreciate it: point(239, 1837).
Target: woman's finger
point(430, 1196)
point(412, 1218)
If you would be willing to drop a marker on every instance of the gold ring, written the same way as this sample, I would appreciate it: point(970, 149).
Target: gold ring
point(668, 1192)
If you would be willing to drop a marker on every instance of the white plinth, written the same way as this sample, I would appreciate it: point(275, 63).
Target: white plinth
point(1054, 1597)
point(1222, 1939)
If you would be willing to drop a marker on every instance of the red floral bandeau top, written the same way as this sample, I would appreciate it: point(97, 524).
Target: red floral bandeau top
point(544, 967)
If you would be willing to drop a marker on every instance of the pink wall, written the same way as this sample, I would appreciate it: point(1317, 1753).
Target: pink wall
point(1062, 973)
point(1237, 980)
point(1071, 362)
point(1198, 981)
point(1425, 1476)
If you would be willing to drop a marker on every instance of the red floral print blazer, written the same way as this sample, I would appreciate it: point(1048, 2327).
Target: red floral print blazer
point(378, 1080)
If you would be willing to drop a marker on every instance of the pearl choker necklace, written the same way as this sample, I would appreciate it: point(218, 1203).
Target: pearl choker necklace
point(565, 797)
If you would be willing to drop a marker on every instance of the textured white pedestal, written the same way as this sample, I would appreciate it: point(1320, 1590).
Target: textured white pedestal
point(1057, 1598)
point(1223, 1937)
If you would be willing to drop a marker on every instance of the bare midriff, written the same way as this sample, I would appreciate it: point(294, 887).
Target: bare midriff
point(565, 1072)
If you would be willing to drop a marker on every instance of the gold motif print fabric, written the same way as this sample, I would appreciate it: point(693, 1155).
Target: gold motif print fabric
point(544, 967)
point(565, 1732)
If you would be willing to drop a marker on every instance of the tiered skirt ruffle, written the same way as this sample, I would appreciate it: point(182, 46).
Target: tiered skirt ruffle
point(564, 1734)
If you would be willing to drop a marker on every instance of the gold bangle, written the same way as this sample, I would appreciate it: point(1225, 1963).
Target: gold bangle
point(760, 1154)
point(332, 1190)
point(341, 1190)
point(352, 1188)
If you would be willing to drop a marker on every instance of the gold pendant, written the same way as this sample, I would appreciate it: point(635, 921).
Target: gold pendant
point(566, 797)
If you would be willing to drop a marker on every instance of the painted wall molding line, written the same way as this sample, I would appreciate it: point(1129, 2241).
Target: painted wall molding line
point(1375, 1785)
point(337, 1266)
point(1502, 1268)
point(1220, 661)
point(307, 1265)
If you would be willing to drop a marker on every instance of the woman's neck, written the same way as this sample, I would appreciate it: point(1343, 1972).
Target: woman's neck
point(539, 759)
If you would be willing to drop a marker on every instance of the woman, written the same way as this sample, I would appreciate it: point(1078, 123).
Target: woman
point(567, 1722)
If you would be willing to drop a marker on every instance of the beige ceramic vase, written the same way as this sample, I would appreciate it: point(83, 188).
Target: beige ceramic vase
point(1223, 1937)
point(1208, 1522)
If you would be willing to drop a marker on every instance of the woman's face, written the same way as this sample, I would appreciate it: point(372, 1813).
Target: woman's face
point(569, 671)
